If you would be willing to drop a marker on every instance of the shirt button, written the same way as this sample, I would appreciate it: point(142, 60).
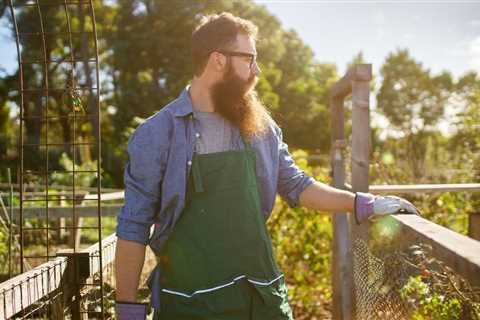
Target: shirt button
point(189, 162)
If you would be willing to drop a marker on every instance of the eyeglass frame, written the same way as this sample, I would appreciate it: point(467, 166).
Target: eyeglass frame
point(252, 56)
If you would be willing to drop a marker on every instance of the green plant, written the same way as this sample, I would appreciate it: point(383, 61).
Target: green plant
point(82, 179)
point(429, 304)
point(302, 241)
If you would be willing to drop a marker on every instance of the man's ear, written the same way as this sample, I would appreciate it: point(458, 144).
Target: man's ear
point(218, 61)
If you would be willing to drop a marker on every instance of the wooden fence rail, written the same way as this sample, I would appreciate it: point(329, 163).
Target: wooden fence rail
point(25, 290)
point(113, 209)
point(459, 252)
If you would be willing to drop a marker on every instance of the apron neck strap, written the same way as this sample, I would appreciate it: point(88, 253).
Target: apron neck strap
point(246, 142)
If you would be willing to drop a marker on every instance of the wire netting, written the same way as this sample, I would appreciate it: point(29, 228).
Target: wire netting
point(59, 164)
point(392, 283)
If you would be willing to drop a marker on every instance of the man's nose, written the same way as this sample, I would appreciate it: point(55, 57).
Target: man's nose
point(256, 69)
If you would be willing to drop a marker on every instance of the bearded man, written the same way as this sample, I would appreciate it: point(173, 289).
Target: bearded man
point(204, 171)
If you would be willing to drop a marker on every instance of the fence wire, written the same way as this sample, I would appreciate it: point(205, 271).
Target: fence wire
point(59, 143)
point(409, 284)
point(63, 288)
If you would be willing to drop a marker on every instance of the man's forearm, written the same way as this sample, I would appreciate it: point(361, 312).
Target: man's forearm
point(129, 259)
point(320, 196)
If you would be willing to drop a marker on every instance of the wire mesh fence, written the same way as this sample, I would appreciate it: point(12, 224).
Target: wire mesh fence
point(59, 144)
point(408, 281)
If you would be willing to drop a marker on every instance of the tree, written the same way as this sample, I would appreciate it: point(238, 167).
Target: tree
point(7, 127)
point(413, 101)
point(303, 110)
point(466, 141)
point(157, 34)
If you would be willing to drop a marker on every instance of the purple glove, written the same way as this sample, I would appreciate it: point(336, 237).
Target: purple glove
point(368, 205)
point(131, 310)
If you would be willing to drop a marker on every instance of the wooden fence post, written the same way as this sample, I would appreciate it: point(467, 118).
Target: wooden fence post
point(77, 223)
point(61, 221)
point(355, 82)
point(474, 225)
point(361, 137)
point(342, 272)
point(77, 272)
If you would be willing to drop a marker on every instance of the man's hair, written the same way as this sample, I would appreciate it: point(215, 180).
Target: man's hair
point(217, 32)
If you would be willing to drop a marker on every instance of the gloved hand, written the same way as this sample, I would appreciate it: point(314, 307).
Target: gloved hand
point(131, 310)
point(368, 205)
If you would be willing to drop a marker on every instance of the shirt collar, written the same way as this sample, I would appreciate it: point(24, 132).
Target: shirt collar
point(184, 108)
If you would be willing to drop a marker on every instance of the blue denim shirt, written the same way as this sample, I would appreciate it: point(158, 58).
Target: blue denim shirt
point(160, 156)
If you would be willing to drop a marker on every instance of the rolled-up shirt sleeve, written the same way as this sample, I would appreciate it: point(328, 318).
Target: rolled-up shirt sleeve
point(291, 179)
point(142, 177)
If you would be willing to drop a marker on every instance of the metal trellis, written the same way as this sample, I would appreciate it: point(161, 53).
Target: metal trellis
point(59, 104)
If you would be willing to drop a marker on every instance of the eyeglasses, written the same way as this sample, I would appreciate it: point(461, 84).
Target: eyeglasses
point(253, 57)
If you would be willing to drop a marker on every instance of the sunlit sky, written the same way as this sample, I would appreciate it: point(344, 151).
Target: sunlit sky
point(442, 35)
point(439, 34)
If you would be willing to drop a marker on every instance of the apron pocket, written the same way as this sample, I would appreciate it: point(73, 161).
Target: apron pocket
point(227, 300)
point(275, 297)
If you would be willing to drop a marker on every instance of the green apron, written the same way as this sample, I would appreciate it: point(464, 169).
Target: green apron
point(218, 261)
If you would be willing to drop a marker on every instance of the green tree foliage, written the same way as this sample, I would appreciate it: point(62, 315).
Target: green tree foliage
point(297, 90)
point(7, 127)
point(157, 34)
point(465, 144)
point(413, 101)
point(57, 48)
point(144, 46)
point(468, 122)
point(302, 240)
point(303, 90)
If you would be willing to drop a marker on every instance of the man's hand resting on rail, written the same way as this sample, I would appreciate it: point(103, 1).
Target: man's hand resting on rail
point(368, 206)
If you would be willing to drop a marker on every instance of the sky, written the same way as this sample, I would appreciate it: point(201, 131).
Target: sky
point(440, 35)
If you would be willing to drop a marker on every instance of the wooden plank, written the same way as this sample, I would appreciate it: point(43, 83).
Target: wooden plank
point(66, 212)
point(117, 195)
point(51, 194)
point(24, 290)
point(342, 275)
point(27, 288)
point(361, 145)
point(360, 136)
point(356, 81)
point(360, 157)
point(108, 253)
point(75, 235)
point(342, 266)
point(425, 188)
point(343, 87)
point(421, 188)
point(60, 187)
point(106, 196)
point(459, 252)
point(474, 226)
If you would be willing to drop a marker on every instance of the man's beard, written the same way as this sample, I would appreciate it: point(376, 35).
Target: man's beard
point(235, 100)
